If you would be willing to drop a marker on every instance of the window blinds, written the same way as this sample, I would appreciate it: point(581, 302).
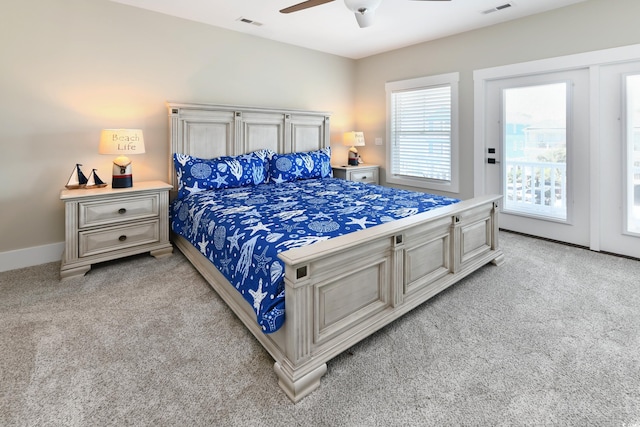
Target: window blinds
point(421, 133)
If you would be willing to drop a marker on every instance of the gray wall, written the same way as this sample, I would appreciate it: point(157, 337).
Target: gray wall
point(584, 27)
point(73, 67)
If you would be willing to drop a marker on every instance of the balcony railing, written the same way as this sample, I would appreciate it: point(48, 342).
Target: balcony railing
point(536, 188)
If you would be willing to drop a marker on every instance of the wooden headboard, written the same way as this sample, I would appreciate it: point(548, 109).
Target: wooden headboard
point(209, 131)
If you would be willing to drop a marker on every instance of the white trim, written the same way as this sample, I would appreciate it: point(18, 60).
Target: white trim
point(594, 158)
point(479, 144)
point(561, 63)
point(29, 257)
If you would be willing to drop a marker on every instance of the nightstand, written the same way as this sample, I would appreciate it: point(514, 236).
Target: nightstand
point(102, 224)
point(361, 173)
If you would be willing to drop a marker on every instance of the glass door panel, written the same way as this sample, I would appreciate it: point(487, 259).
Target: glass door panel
point(535, 150)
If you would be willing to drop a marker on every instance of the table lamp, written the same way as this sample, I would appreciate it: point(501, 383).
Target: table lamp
point(353, 139)
point(121, 142)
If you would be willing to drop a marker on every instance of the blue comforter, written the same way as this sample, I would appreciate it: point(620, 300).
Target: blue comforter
point(241, 230)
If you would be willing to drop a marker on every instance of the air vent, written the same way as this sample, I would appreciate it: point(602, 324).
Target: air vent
point(497, 8)
point(249, 21)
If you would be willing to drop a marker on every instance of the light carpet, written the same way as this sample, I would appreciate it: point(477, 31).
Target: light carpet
point(552, 337)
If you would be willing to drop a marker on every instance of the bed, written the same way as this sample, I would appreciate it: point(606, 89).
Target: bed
point(344, 286)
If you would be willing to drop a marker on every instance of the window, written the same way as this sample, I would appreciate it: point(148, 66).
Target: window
point(422, 124)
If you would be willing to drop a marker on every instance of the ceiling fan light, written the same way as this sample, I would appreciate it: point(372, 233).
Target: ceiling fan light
point(364, 10)
point(364, 17)
point(368, 5)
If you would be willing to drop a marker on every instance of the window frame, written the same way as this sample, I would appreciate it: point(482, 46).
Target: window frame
point(427, 82)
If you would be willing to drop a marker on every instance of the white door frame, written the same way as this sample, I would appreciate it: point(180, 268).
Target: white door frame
point(592, 61)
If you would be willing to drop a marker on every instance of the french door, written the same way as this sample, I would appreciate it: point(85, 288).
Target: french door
point(537, 153)
point(619, 116)
point(563, 148)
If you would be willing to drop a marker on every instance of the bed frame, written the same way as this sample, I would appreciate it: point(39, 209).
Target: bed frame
point(342, 290)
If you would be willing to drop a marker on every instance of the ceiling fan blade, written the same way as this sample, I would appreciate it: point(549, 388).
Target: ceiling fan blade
point(304, 5)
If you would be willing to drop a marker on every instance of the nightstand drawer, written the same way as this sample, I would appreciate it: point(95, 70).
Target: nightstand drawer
point(117, 210)
point(110, 239)
point(369, 175)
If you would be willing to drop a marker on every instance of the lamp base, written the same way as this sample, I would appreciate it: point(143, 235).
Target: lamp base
point(122, 177)
point(353, 157)
point(122, 181)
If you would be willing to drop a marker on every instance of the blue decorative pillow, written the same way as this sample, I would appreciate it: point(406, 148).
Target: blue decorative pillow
point(303, 165)
point(195, 174)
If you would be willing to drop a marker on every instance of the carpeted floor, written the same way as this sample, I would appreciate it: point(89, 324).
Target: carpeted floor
point(552, 337)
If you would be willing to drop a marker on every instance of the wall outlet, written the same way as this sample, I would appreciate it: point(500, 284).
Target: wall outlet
point(378, 141)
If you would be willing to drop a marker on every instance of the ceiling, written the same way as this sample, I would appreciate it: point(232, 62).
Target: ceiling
point(332, 28)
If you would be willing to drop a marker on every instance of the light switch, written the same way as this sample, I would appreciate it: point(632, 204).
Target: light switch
point(378, 141)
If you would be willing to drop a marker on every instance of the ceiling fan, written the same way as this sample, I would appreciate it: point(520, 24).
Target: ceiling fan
point(364, 10)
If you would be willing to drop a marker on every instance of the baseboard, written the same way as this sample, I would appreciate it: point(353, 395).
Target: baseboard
point(28, 257)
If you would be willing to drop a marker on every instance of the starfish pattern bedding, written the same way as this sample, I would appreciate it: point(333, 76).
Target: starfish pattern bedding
point(241, 230)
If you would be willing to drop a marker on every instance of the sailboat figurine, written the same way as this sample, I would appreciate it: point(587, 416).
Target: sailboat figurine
point(77, 178)
point(94, 180)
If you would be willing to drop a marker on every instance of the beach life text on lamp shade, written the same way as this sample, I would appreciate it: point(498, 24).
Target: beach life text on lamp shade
point(122, 142)
point(353, 139)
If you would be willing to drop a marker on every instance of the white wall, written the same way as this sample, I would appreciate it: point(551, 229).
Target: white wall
point(73, 67)
point(587, 26)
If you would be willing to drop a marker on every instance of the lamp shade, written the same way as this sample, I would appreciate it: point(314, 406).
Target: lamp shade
point(353, 139)
point(121, 141)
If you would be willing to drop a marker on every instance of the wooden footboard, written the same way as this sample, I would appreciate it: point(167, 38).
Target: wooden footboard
point(340, 291)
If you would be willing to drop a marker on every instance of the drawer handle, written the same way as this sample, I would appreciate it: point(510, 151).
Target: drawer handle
point(364, 177)
point(122, 211)
point(122, 238)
